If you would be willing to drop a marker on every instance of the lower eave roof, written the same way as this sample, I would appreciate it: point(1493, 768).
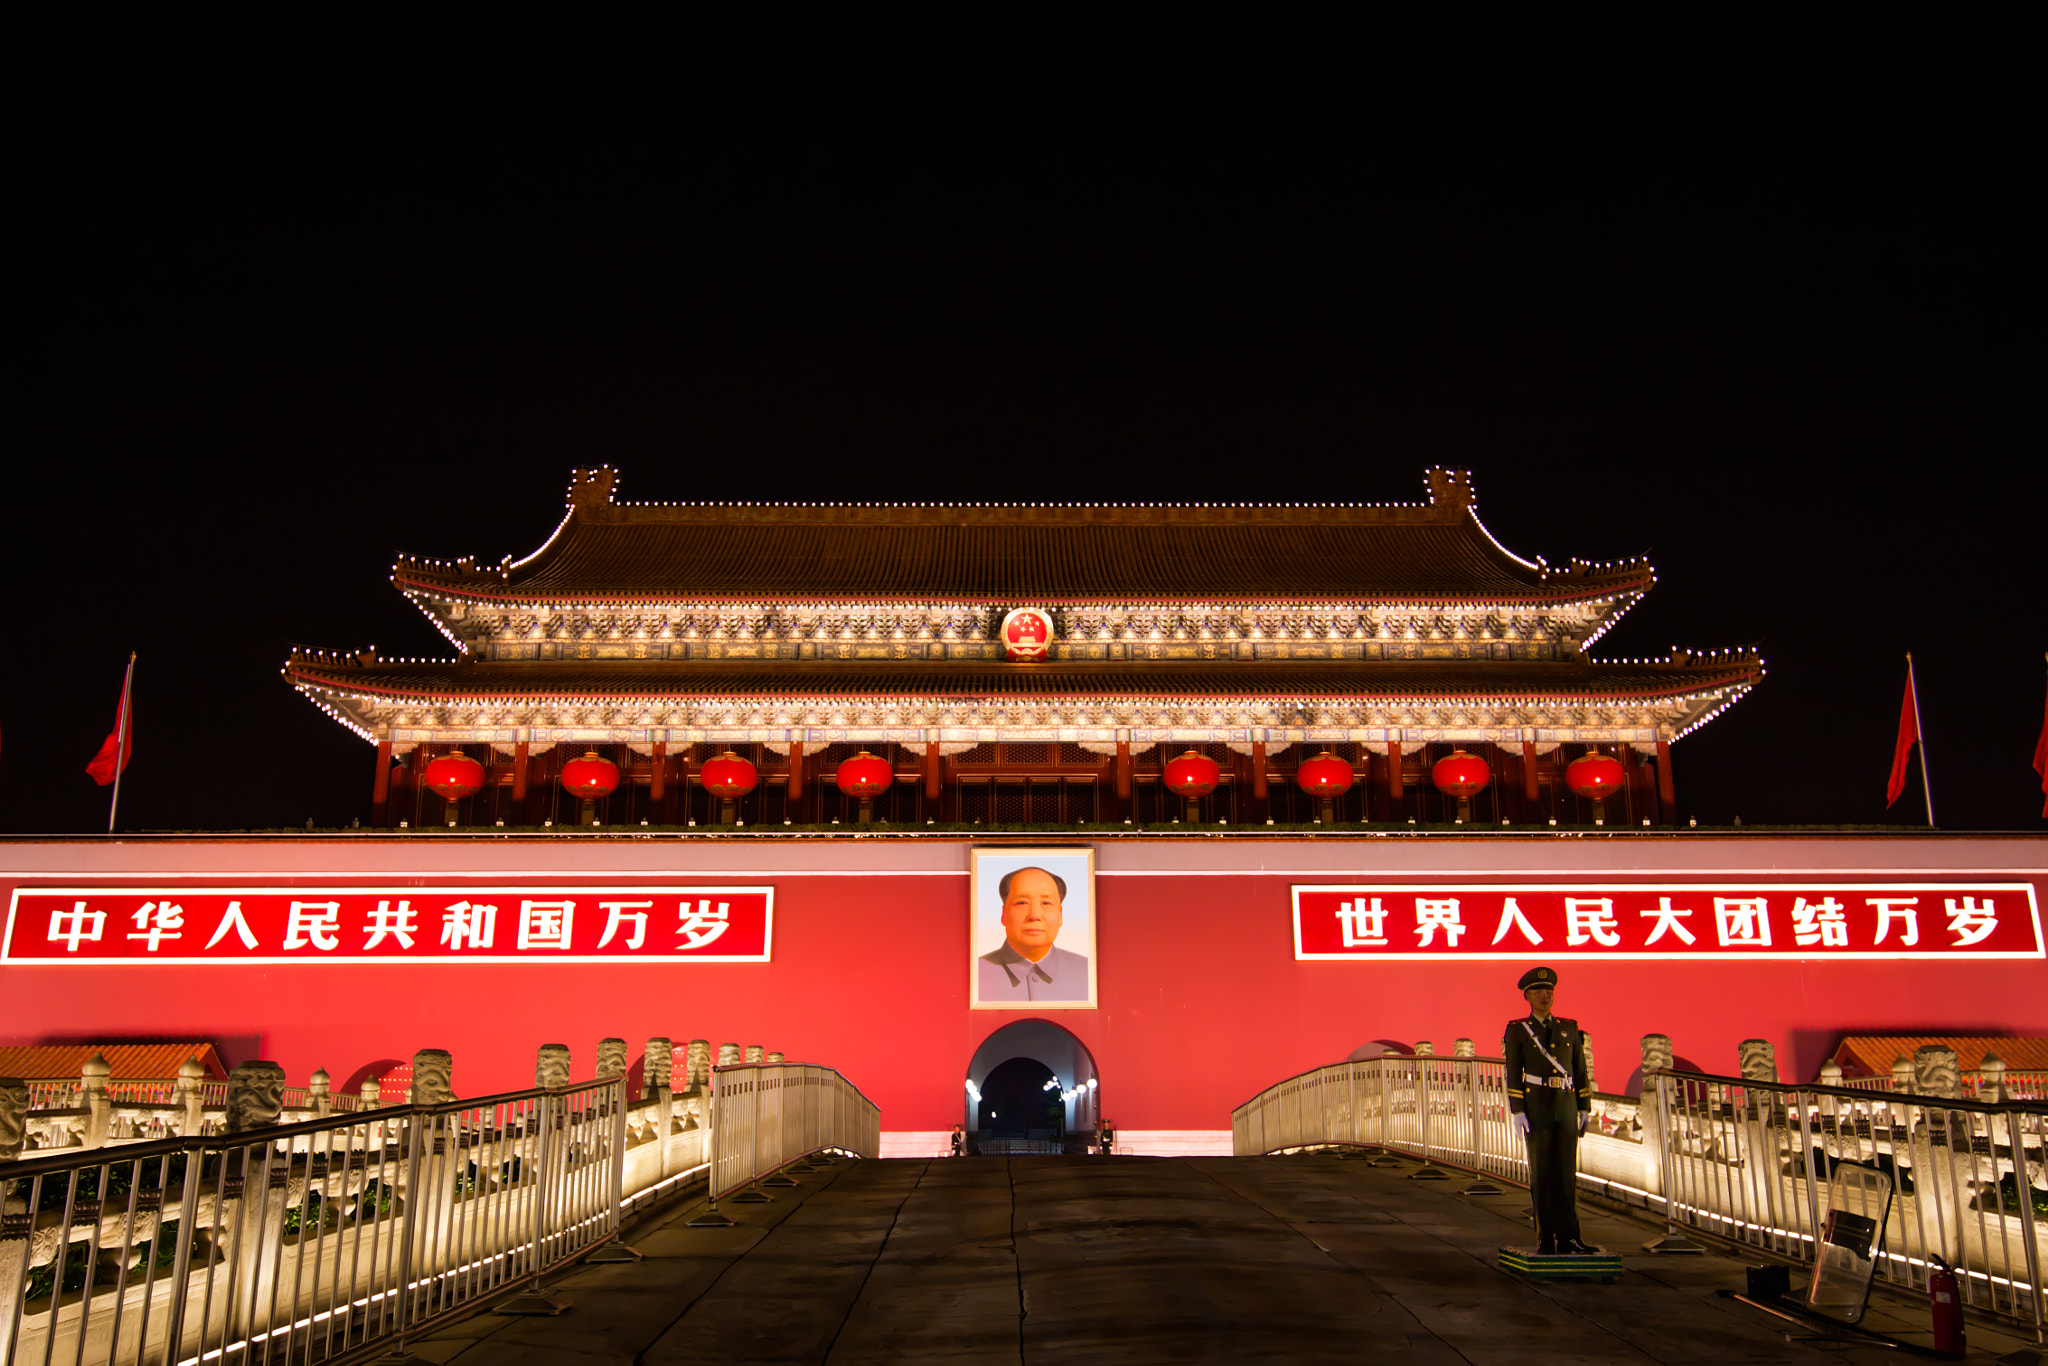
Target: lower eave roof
point(1475, 678)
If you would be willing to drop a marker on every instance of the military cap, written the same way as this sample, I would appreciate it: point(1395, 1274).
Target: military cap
point(1537, 977)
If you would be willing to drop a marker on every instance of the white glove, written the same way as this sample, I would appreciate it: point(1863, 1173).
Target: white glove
point(1520, 1119)
point(1584, 1115)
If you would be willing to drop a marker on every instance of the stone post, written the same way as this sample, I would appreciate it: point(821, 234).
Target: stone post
point(655, 1088)
point(99, 1108)
point(1935, 1072)
point(255, 1096)
point(13, 1118)
point(1937, 1077)
point(1830, 1075)
point(191, 1093)
point(319, 1089)
point(433, 1076)
point(775, 1056)
point(1657, 1056)
point(372, 1094)
point(1757, 1061)
point(700, 1064)
point(728, 1054)
point(551, 1066)
point(1991, 1079)
point(1463, 1048)
point(755, 1053)
point(611, 1057)
point(1902, 1073)
point(659, 1067)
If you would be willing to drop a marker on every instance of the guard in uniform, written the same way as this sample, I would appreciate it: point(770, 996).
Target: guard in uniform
point(1550, 1098)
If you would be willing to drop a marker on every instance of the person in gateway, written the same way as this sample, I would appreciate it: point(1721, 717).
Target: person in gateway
point(1030, 966)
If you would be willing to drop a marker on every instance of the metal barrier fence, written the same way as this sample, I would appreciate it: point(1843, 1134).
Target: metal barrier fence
point(1748, 1162)
point(767, 1115)
point(309, 1242)
point(1742, 1161)
point(1446, 1110)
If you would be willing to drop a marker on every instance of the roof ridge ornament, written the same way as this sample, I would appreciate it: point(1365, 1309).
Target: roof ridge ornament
point(591, 488)
point(1450, 488)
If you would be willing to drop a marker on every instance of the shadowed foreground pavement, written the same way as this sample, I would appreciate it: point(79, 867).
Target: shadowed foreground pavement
point(1075, 1260)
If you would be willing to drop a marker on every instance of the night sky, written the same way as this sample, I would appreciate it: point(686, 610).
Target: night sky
point(1798, 364)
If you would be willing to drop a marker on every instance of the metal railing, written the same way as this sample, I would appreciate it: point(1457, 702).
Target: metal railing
point(766, 1115)
point(1451, 1111)
point(1748, 1162)
point(316, 1241)
point(1741, 1161)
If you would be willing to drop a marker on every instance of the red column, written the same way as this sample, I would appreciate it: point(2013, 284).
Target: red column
point(796, 771)
point(933, 786)
point(380, 786)
point(1258, 770)
point(657, 775)
point(521, 757)
point(1396, 805)
point(1530, 792)
point(1123, 770)
point(1667, 801)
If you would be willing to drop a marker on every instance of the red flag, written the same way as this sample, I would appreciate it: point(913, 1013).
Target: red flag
point(2041, 759)
point(123, 734)
point(1909, 734)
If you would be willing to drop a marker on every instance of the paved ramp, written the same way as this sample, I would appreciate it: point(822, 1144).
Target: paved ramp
point(1080, 1260)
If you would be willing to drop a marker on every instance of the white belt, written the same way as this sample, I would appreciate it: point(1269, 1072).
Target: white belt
point(1561, 1083)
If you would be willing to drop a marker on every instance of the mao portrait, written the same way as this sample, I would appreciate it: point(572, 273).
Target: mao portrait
point(1033, 928)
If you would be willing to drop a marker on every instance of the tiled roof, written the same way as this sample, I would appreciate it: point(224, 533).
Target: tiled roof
point(1871, 1055)
point(606, 551)
point(139, 1060)
point(629, 678)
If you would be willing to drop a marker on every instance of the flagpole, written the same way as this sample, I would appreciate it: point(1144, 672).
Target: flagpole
point(1926, 788)
point(121, 741)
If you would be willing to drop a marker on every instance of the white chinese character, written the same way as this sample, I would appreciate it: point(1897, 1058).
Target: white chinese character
point(1364, 926)
point(231, 919)
point(703, 925)
point(1511, 916)
point(1969, 922)
point(1821, 923)
point(1668, 917)
point(158, 921)
point(1890, 908)
point(1742, 921)
point(546, 924)
point(315, 923)
point(71, 926)
point(617, 912)
point(1431, 916)
point(399, 924)
point(1594, 923)
point(464, 925)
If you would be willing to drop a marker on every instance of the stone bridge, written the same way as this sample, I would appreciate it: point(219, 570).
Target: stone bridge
point(1303, 1258)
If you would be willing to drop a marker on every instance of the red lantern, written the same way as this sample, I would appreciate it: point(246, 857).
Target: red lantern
point(451, 777)
point(728, 776)
point(1325, 776)
point(1596, 777)
point(1461, 775)
point(591, 777)
point(864, 776)
point(1192, 775)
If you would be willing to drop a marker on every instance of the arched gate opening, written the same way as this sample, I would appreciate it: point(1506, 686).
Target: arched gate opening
point(1032, 1087)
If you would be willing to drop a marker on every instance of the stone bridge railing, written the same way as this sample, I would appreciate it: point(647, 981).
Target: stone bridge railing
point(1745, 1159)
point(330, 1237)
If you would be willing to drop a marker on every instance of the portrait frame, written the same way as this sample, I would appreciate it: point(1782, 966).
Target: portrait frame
point(987, 866)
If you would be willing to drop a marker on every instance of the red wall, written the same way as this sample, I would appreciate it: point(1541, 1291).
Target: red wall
point(1202, 1001)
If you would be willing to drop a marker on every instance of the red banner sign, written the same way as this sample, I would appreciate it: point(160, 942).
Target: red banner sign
point(1668, 920)
point(390, 925)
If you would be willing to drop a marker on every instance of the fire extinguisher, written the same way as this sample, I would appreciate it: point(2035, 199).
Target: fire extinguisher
point(1948, 1310)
